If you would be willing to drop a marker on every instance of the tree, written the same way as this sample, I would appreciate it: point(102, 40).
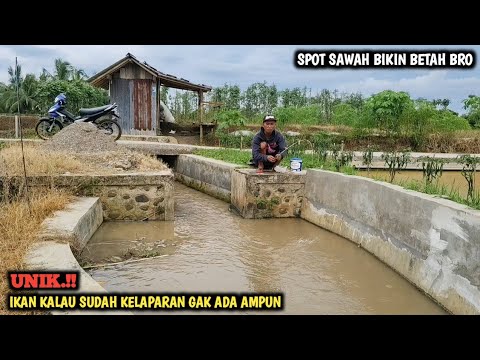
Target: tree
point(164, 95)
point(20, 94)
point(472, 105)
point(15, 78)
point(441, 102)
point(63, 69)
point(78, 74)
point(387, 107)
point(228, 95)
point(355, 100)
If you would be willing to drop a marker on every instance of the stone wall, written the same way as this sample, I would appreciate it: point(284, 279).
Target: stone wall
point(134, 196)
point(267, 195)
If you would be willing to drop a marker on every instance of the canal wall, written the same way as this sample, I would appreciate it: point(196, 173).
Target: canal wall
point(133, 196)
point(432, 242)
point(61, 238)
point(213, 177)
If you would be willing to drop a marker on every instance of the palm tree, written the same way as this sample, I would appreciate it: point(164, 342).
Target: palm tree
point(11, 101)
point(15, 78)
point(3, 88)
point(63, 69)
point(78, 74)
point(45, 75)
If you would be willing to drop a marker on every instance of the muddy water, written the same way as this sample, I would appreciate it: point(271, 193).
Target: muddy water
point(209, 249)
point(453, 179)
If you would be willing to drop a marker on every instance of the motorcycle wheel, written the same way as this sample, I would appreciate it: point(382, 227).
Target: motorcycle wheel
point(43, 128)
point(111, 128)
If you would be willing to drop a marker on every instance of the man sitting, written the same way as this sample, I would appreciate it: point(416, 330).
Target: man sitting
point(268, 146)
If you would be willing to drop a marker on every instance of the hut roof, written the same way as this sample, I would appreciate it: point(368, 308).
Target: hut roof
point(101, 79)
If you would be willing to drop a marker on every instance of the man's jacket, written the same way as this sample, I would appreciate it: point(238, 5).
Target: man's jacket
point(275, 144)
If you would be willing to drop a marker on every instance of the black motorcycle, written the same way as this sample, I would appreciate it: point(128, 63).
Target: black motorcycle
point(59, 117)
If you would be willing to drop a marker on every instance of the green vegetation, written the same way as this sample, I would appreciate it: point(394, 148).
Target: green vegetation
point(340, 161)
point(387, 118)
point(330, 124)
point(36, 94)
point(391, 111)
point(443, 191)
point(233, 156)
point(432, 168)
point(310, 161)
point(470, 164)
point(396, 162)
point(391, 120)
point(368, 158)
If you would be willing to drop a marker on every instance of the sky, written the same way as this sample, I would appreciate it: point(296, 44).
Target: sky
point(243, 65)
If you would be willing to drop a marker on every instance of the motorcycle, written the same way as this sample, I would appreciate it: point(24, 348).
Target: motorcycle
point(59, 117)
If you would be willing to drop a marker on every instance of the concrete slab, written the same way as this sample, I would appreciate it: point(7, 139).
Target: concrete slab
point(69, 229)
point(151, 138)
point(51, 256)
point(75, 225)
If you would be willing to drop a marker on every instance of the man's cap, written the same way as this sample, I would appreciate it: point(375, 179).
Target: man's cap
point(269, 118)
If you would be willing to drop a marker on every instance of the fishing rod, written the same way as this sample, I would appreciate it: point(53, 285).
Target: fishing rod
point(288, 147)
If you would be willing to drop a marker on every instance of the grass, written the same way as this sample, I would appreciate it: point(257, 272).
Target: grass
point(447, 192)
point(19, 226)
point(41, 162)
point(233, 156)
point(21, 217)
point(313, 161)
point(241, 157)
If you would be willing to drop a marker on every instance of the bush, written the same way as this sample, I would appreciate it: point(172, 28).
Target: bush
point(308, 115)
point(444, 120)
point(345, 114)
point(80, 94)
point(474, 119)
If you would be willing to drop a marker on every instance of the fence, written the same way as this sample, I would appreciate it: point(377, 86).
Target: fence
point(10, 125)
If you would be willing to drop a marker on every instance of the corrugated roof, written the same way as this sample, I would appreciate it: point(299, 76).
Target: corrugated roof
point(101, 79)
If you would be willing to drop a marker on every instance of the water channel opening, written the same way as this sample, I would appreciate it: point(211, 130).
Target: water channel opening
point(209, 249)
point(169, 160)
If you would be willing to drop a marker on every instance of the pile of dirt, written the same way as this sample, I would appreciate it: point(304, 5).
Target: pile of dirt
point(81, 137)
point(87, 143)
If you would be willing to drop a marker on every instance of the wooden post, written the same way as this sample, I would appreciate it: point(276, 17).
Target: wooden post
point(158, 127)
point(200, 106)
point(17, 127)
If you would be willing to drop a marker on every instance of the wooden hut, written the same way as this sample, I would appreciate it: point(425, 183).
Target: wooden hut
point(135, 87)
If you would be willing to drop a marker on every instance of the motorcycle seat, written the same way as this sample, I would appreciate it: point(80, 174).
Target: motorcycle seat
point(91, 111)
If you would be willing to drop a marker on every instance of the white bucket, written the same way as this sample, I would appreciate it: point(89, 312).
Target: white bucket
point(296, 164)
